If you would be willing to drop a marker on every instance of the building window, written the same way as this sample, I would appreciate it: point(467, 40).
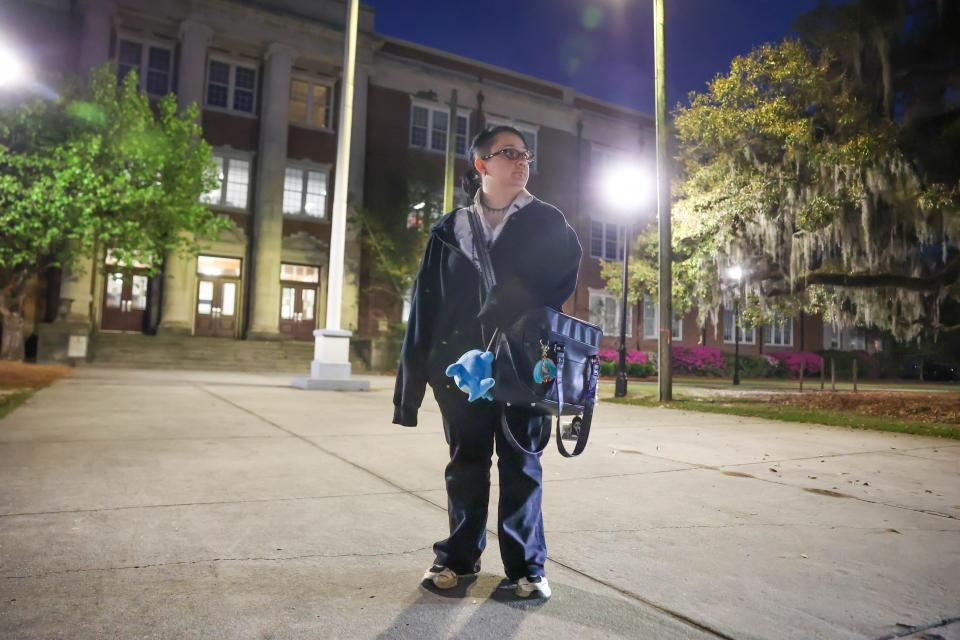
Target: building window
point(530, 135)
point(305, 192)
point(606, 240)
point(310, 103)
point(153, 64)
point(651, 321)
point(429, 127)
point(605, 310)
point(779, 333)
point(233, 176)
point(747, 336)
point(231, 86)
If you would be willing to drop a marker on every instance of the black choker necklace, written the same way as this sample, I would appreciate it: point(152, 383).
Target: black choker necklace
point(490, 209)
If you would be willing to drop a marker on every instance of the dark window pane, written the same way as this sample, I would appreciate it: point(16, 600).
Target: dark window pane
point(243, 100)
point(129, 53)
point(158, 82)
point(217, 95)
point(596, 239)
point(611, 242)
point(219, 72)
point(245, 78)
point(159, 59)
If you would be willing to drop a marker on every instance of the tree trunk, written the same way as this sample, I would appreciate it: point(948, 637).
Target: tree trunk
point(883, 51)
point(11, 344)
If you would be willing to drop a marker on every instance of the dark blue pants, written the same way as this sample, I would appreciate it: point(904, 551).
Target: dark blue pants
point(472, 429)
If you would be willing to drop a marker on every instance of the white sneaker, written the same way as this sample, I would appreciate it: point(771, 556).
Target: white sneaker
point(534, 586)
point(441, 577)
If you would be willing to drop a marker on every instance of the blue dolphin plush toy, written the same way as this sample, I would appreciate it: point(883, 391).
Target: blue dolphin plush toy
point(473, 373)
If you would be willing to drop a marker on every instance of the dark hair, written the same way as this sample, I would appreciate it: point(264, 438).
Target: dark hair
point(481, 145)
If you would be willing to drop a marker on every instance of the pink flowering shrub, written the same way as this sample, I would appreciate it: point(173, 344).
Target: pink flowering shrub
point(791, 361)
point(608, 355)
point(633, 357)
point(698, 360)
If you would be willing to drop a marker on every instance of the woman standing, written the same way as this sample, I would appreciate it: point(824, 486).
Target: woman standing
point(536, 257)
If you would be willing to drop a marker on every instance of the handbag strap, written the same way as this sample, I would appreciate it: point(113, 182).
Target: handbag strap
point(480, 248)
point(587, 419)
point(542, 444)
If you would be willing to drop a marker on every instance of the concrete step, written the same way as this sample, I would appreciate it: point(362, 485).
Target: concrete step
point(199, 353)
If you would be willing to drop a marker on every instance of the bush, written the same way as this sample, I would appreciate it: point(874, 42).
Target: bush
point(699, 360)
point(613, 355)
point(640, 369)
point(634, 369)
point(791, 361)
point(753, 366)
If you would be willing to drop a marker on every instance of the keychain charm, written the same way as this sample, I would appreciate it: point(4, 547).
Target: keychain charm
point(545, 371)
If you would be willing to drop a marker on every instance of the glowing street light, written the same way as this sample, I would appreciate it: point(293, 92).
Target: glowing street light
point(625, 187)
point(13, 70)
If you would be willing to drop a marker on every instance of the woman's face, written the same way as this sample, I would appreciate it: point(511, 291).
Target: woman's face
point(501, 173)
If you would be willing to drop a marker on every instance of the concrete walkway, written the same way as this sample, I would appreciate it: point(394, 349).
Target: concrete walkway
point(138, 504)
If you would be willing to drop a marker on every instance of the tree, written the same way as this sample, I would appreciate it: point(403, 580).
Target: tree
point(790, 173)
point(100, 167)
point(396, 241)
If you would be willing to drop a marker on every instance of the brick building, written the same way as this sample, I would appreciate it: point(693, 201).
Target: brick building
point(266, 76)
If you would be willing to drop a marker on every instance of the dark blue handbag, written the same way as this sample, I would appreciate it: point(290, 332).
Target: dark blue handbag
point(543, 333)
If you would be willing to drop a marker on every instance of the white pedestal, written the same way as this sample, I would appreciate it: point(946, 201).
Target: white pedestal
point(330, 368)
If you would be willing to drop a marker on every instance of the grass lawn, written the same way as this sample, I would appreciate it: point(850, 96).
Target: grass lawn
point(19, 381)
point(921, 409)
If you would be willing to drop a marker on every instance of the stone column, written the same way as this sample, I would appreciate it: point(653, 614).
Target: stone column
point(179, 274)
point(268, 206)
point(66, 339)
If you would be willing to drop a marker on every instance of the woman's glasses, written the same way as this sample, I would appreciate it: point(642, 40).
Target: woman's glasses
point(512, 154)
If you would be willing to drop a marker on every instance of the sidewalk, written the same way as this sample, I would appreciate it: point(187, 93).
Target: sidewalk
point(156, 504)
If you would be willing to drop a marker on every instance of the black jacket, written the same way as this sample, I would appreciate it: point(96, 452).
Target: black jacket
point(536, 259)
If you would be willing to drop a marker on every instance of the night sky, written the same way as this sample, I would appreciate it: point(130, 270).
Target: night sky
point(603, 48)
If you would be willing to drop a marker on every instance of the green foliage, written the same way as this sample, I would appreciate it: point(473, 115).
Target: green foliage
point(608, 369)
point(396, 242)
point(100, 167)
point(786, 170)
point(640, 369)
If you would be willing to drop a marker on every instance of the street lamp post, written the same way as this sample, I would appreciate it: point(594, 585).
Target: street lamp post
point(621, 387)
point(736, 340)
point(625, 188)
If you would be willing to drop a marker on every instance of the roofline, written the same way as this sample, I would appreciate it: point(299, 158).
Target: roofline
point(586, 101)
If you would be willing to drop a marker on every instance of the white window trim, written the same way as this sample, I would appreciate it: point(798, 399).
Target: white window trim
point(431, 108)
point(146, 43)
point(603, 293)
point(733, 335)
point(676, 337)
point(621, 231)
point(233, 62)
point(228, 153)
point(497, 121)
point(311, 81)
point(768, 329)
point(305, 167)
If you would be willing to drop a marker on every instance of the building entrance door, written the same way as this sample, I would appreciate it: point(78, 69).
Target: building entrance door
point(298, 301)
point(124, 300)
point(218, 297)
point(216, 307)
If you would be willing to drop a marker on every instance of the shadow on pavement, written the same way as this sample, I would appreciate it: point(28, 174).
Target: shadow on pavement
point(495, 612)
